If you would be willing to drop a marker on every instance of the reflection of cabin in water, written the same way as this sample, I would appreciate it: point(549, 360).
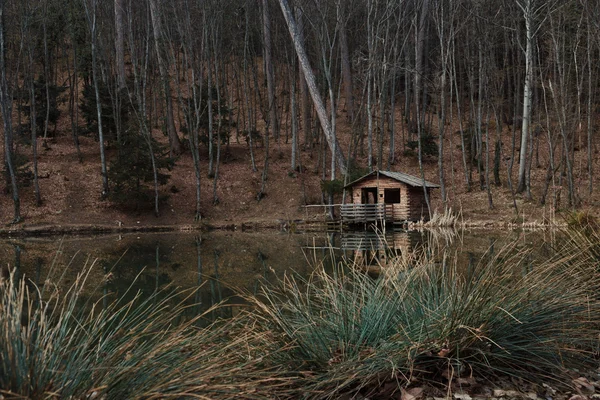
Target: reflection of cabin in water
point(372, 250)
point(365, 249)
point(385, 196)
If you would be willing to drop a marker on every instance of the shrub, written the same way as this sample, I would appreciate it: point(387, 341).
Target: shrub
point(353, 334)
point(429, 146)
point(355, 171)
point(131, 173)
point(335, 186)
point(109, 118)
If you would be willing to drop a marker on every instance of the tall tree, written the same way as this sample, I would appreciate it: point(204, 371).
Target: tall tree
point(159, 46)
point(312, 86)
point(304, 102)
point(271, 120)
point(530, 14)
point(91, 15)
point(444, 24)
point(270, 74)
point(28, 14)
point(419, 96)
point(6, 105)
point(120, 43)
point(345, 59)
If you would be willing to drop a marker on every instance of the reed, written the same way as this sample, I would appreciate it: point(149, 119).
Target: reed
point(445, 219)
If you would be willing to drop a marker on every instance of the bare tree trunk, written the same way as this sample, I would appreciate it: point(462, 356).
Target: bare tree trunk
point(392, 115)
point(120, 43)
point(174, 143)
point(140, 74)
point(312, 86)
point(294, 117)
point(460, 122)
point(444, 50)
point(551, 170)
point(370, 45)
point(589, 108)
point(562, 103)
point(6, 105)
point(219, 121)
point(382, 102)
point(304, 102)
point(560, 111)
point(420, 44)
point(487, 163)
point(74, 94)
point(269, 68)
point(347, 72)
point(479, 115)
point(28, 38)
point(419, 69)
point(33, 117)
point(209, 81)
point(250, 119)
point(528, 14)
point(271, 120)
point(46, 73)
point(92, 22)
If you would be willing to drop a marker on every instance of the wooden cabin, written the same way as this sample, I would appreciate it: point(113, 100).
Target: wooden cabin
point(386, 196)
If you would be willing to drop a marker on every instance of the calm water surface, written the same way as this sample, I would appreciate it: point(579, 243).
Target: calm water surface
point(223, 264)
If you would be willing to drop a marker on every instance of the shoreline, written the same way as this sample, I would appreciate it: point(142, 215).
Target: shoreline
point(294, 226)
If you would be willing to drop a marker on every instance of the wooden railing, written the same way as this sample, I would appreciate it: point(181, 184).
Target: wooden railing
point(362, 213)
point(358, 213)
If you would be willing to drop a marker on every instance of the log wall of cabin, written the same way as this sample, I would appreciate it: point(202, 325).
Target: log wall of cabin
point(418, 205)
point(401, 211)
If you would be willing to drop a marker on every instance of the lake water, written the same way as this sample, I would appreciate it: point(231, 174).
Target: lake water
point(224, 263)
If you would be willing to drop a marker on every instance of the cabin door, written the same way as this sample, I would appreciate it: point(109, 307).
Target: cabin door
point(369, 195)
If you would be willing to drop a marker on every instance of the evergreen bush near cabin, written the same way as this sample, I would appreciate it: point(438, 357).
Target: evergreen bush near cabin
point(225, 121)
point(41, 108)
point(355, 171)
point(41, 105)
point(109, 118)
point(131, 173)
point(335, 186)
point(131, 170)
point(429, 146)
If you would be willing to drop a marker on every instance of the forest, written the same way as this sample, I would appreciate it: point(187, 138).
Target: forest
point(482, 95)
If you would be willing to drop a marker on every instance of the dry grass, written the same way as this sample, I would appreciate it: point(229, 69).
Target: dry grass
point(55, 345)
point(426, 318)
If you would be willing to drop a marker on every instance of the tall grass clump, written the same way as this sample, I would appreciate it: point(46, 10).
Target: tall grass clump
point(582, 238)
point(445, 219)
point(57, 344)
point(429, 318)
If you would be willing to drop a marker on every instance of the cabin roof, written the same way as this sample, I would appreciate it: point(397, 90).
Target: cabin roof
point(407, 179)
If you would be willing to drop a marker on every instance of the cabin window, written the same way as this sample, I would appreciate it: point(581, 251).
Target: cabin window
point(391, 196)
